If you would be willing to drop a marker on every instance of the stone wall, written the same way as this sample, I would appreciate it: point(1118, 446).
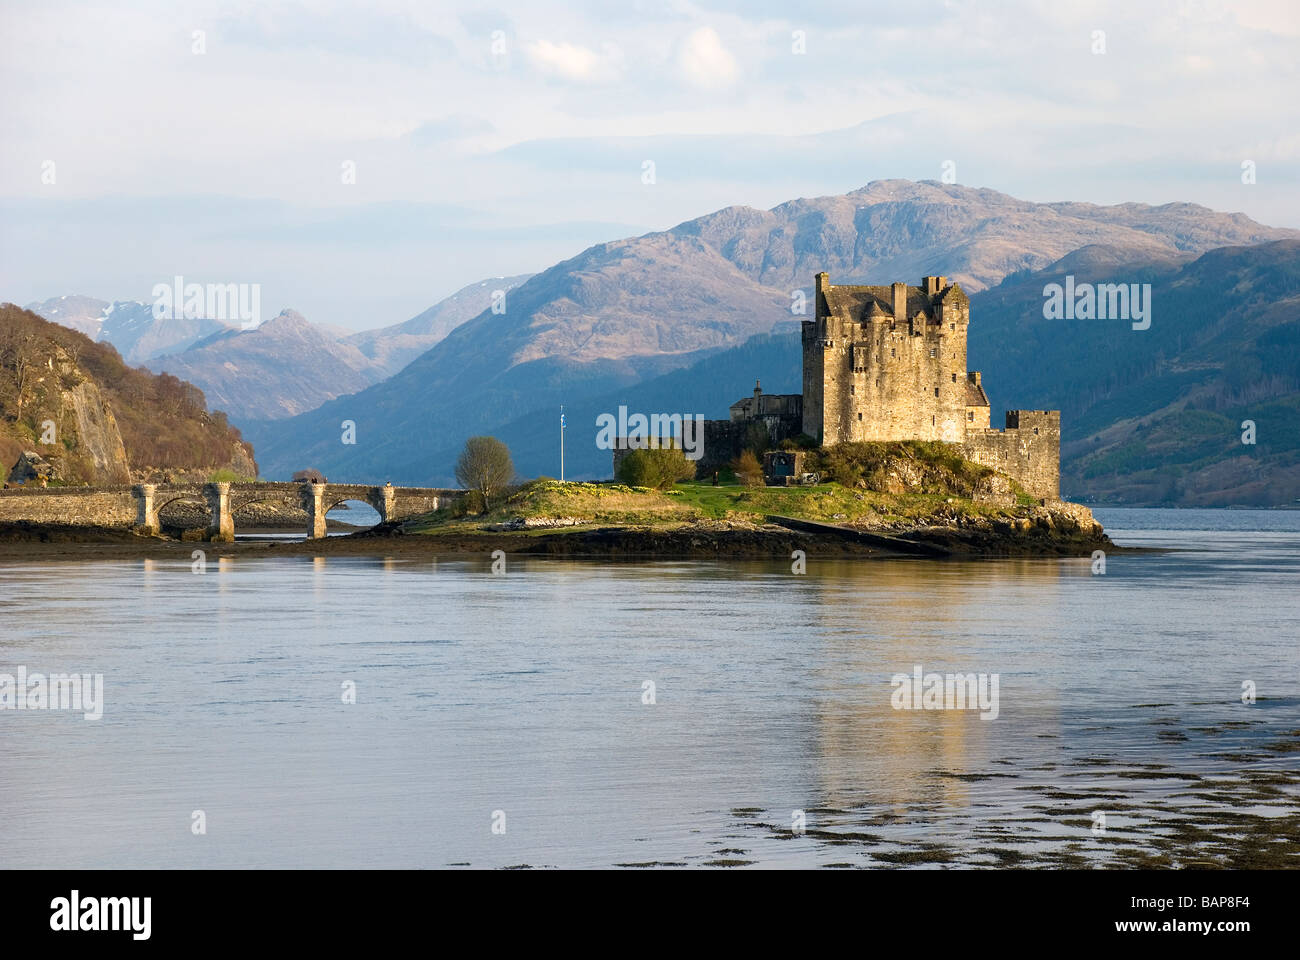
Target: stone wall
point(113, 507)
point(1028, 450)
point(725, 439)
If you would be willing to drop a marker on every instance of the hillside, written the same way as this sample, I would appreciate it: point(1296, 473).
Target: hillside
point(395, 346)
point(281, 368)
point(1154, 416)
point(111, 423)
point(627, 311)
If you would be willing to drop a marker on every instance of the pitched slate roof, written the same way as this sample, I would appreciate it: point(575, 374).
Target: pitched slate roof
point(858, 303)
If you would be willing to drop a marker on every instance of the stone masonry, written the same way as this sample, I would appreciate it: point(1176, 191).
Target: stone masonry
point(137, 507)
point(889, 363)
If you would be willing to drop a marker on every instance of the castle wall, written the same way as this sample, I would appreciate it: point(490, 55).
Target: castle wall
point(814, 374)
point(1029, 450)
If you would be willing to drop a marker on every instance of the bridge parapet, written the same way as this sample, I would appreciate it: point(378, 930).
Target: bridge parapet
point(137, 507)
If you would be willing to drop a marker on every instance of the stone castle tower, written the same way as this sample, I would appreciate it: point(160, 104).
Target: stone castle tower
point(889, 363)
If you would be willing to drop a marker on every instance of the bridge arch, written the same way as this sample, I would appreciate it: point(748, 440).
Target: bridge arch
point(195, 500)
point(331, 503)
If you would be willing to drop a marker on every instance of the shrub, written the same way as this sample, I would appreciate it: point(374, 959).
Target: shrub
point(657, 469)
point(747, 469)
point(470, 502)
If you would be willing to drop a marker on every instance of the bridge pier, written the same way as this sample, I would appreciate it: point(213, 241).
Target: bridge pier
point(383, 500)
point(146, 516)
point(221, 519)
point(314, 502)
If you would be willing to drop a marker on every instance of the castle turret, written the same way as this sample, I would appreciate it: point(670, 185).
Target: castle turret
point(899, 291)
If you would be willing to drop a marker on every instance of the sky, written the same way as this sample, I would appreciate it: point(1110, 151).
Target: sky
point(360, 161)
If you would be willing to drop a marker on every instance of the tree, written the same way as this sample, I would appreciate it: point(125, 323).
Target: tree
point(18, 354)
point(485, 466)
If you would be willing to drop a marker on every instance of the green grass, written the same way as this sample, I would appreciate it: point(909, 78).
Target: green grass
point(613, 504)
point(229, 476)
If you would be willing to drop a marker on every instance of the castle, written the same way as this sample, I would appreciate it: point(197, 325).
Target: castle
point(889, 363)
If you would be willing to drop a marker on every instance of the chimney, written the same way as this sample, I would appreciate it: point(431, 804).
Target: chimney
point(900, 302)
point(758, 389)
point(974, 377)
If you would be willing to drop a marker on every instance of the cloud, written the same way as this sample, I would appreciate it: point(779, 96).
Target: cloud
point(569, 61)
point(458, 126)
point(704, 62)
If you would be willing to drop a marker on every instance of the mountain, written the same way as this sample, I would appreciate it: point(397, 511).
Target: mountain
point(633, 309)
point(128, 325)
point(395, 346)
point(1156, 416)
point(105, 422)
point(280, 368)
point(708, 388)
point(83, 314)
point(897, 229)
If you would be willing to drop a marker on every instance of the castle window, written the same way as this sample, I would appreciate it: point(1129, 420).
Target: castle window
point(859, 416)
point(851, 390)
point(932, 351)
point(893, 352)
point(1035, 431)
point(970, 415)
point(952, 326)
point(932, 421)
point(954, 378)
point(936, 391)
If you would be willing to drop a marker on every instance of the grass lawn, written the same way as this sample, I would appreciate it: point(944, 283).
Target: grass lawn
point(607, 504)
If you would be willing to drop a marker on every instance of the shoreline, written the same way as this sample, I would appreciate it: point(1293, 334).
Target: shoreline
point(717, 541)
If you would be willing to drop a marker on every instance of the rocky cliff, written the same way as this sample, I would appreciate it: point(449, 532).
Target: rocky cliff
point(77, 407)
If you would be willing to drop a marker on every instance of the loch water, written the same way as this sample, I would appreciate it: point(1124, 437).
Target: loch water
point(568, 713)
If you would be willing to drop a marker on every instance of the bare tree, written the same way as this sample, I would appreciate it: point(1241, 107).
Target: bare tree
point(485, 465)
point(17, 354)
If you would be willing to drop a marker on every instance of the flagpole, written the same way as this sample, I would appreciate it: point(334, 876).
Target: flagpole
point(561, 443)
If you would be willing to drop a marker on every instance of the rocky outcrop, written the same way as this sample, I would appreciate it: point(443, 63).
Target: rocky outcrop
point(98, 438)
point(31, 468)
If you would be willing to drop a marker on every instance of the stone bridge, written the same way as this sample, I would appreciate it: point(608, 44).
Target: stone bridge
point(137, 507)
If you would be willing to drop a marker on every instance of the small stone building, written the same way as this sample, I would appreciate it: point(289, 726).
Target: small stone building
point(783, 468)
